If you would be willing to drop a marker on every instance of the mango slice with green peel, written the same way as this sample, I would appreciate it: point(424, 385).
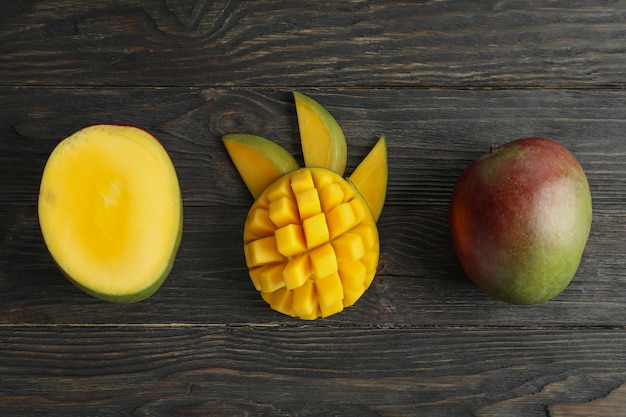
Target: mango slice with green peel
point(310, 238)
point(110, 211)
point(259, 161)
point(370, 177)
point(323, 142)
point(305, 260)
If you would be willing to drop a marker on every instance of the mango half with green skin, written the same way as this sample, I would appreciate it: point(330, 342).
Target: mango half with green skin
point(520, 217)
point(110, 211)
point(310, 239)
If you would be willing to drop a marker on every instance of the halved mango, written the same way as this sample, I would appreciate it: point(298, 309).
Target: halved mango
point(370, 177)
point(316, 254)
point(323, 142)
point(110, 211)
point(259, 161)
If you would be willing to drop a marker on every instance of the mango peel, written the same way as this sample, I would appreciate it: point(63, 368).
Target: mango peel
point(310, 238)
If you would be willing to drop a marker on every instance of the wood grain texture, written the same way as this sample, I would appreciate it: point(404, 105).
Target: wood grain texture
point(304, 371)
point(282, 43)
point(613, 404)
point(443, 80)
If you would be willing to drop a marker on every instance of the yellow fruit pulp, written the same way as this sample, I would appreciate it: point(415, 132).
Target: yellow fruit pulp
point(311, 244)
point(323, 142)
point(259, 161)
point(110, 211)
point(370, 177)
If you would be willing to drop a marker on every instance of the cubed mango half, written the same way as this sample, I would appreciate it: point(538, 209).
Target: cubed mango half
point(311, 244)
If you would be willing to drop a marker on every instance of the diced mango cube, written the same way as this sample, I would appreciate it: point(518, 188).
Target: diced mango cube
point(348, 247)
point(267, 296)
point(314, 315)
point(284, 211)
point(352, 274)
point(305, 299)
point(340, 219)
point(368, 233)
point(282, 301)
point(370, 260)
point(271, 278)
point(255, 276)
point(259, 225)
point(280, 188)
point(262, 251)
point(333, 309)
point(351, 295)
point(308, 203)
point(302, 180)
point(316, 230)
point(323, 177)
point(360, 209)
point(330, 197)
point(297, 271)
point(323, 260)
point(329, 290)
point(290, 240)
point(348, 191)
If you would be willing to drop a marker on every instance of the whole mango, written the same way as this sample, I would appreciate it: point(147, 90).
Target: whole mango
point(520, 217)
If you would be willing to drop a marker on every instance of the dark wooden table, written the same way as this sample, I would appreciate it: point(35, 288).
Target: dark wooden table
point(443, 80)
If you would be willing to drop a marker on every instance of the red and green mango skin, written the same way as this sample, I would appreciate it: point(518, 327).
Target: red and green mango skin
point(520, 217)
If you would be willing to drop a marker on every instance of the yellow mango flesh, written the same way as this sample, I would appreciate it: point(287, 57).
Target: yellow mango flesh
point(323, 142)
point(259, 161)
point(110, 211)
point(311, 244)
point(370, 177)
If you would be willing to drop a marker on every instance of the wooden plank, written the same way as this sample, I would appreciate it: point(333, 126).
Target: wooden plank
point(432, 136)
point(309, 371)
point(268, 43)
point(613, 404)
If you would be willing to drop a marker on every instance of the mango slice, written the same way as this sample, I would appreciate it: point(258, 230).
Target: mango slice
point(259, 161)
point(110, 211)
point(370, 177)
point(310, 239)
point(323, 142)
point(310, 259)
